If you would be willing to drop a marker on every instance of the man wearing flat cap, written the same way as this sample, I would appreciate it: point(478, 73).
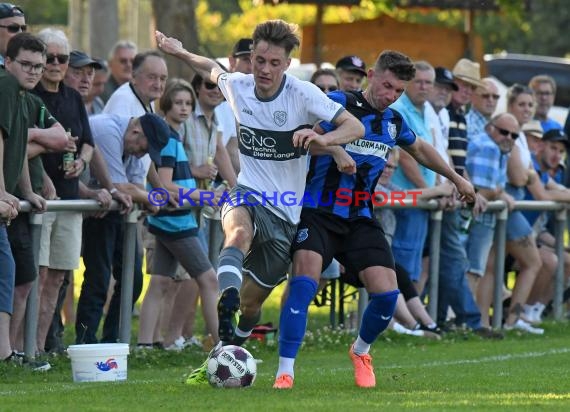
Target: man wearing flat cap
point(456, 86)
point(12, 22)
point(351, 72)
point(81, 72)
point(123, 141)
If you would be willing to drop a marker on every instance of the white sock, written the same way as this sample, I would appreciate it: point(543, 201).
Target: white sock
point(360, 347)
point(286, 366)
point(242, 334)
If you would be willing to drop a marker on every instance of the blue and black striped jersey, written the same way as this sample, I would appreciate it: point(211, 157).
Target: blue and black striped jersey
point(340, 193)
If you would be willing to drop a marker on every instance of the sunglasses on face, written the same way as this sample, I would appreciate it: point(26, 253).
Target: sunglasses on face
point(15, 28)
point(61, 58)
point(326, 89)
point(488, 96)
point(210, 85)
point(505, 132)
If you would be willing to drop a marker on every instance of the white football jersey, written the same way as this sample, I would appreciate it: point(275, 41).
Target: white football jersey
point(269, 163)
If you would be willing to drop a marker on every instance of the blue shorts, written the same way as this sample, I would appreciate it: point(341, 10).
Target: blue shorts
point(409, 239)
point(7, 273)
point(479, 242)
point(518, 226)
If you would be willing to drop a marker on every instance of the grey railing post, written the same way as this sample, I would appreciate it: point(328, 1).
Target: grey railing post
point(499, 268)
point(127, 277)
point(215, 240)
point(434, 250)
point(559, 275)
point(32, 305)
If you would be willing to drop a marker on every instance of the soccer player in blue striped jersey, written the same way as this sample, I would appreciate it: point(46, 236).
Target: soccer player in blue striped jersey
point(344, 227)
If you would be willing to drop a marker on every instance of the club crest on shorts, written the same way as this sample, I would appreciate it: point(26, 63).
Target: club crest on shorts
point(302, 235)
point(279, 117)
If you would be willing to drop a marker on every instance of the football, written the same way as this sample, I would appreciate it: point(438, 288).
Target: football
point(231, 367)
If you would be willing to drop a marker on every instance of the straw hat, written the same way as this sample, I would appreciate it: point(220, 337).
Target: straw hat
point(534, 128)
point(469, 72)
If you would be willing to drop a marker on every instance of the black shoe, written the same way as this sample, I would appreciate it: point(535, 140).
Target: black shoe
point(488, 333)
point(447, 327)
point(20, 360)
point(436, 329)
point(228, 305)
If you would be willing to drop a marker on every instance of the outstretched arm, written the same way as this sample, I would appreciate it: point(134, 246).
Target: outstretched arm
point(425, 154)
point(348, 129)
point(207, 68)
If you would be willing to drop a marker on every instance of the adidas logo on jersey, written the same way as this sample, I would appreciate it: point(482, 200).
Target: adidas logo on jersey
point(247, 111)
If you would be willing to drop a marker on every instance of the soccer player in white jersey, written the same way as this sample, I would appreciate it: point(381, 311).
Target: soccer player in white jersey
point(275, 113)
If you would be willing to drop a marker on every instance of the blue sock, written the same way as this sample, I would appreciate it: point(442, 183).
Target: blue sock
point(377, 315)
point(293, 319)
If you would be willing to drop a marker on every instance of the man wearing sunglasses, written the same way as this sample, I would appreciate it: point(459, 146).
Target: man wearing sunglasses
point(483, 104)
point(12, 21)
point(486, 164)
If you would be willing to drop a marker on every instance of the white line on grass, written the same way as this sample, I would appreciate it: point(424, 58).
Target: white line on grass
point(497, 358)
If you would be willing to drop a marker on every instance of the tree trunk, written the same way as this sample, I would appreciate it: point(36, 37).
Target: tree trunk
point(177, 18)
point(104, 23)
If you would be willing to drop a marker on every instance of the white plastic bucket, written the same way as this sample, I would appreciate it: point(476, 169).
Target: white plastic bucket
point(100, 362)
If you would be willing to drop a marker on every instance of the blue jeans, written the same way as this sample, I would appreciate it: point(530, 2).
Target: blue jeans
point(453, 286)
point(409, 239)
point(102, 256)
point(7, 273)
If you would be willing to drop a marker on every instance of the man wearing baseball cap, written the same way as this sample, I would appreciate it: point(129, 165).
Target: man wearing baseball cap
point(240, 59)
point(351, 72)
point(81, 72)
point(12, 22)
point(123, 142)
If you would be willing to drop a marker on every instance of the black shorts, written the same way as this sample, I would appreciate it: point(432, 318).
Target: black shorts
point(20, 239)
point(356, 243)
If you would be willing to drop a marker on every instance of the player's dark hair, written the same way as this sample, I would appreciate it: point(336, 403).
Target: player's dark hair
point(396, 62)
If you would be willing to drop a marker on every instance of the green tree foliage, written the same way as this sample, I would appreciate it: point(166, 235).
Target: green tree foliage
point(44, 12)
point(540, 30)
point(218, 31)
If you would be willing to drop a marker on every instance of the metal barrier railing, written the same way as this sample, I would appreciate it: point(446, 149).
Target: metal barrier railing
point(498, 207)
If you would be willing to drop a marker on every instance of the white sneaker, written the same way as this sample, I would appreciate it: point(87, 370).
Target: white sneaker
point(398, 328)
point(177, 345)
point(524, 326)
point(192, 341)
point(533, 313)
point(529, 313)
point(538, 309)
